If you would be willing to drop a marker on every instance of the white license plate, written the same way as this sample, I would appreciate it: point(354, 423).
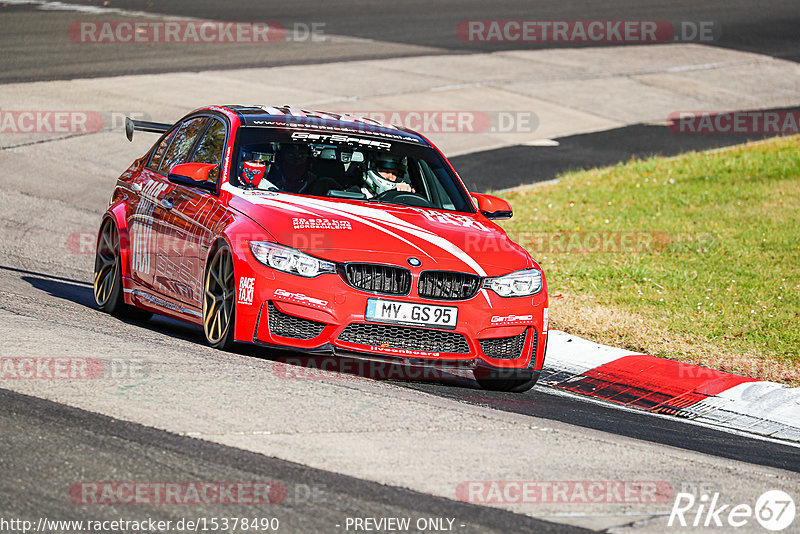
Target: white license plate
point(392, 311)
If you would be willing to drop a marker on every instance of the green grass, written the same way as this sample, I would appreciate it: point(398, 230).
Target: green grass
point(719, 283)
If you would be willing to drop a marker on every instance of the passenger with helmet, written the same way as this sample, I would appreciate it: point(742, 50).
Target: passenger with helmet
point(385, 173)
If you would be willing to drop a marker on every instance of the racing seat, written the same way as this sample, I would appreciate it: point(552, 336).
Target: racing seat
point(327, 165)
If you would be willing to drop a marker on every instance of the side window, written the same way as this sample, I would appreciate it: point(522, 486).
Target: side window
point(158, 153)
point(182, 144)
point(211, 147)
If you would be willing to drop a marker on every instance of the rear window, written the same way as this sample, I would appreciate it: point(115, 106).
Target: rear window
point(161, 149)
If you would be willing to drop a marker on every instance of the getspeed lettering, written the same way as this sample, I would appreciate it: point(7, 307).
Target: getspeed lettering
point(300, 297)
point(511, 318)
point(341, 139)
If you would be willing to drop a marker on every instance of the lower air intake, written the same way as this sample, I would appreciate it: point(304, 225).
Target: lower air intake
point(285, 325)
point(505, 348)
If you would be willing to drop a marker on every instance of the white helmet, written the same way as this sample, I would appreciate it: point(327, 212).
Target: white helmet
point(383, 162)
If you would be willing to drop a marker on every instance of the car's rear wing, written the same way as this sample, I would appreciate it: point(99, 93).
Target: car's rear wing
point(144, 126)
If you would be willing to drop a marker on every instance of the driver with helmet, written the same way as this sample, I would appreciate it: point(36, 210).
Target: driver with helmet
point(385, 173)
point(253, 171)
point(287, 169)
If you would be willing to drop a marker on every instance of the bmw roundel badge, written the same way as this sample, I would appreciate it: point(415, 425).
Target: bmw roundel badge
point(414, 262)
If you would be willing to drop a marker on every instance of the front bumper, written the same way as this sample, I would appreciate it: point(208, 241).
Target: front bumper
point(324, 315)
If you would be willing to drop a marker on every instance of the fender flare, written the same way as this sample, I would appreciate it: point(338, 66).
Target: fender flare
point(117, 214)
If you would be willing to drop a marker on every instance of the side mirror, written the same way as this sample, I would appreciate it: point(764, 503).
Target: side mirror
point(193, 175)
point(492, 207)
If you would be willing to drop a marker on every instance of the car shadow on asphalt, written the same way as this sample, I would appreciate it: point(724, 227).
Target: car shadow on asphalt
point(80, 292)
point(72, 291)
point(77, 291)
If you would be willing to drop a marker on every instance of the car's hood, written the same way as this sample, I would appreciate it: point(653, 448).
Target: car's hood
point(346, 230)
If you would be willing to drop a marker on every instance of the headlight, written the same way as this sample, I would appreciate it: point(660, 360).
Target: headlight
point(519, 284)
point(290, 260)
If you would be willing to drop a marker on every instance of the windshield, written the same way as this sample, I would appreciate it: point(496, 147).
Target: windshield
point(360, 167)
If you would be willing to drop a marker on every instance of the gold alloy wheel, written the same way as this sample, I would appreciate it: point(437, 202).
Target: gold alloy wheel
point(218, 296)
point(106, 264)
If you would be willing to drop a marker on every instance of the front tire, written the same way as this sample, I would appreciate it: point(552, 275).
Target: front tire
point(218, 299)
point(108, 294)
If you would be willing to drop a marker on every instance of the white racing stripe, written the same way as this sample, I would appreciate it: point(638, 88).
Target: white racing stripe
point(292, 206)
point(398, 224)
point(363, 214)
point(264, 200)
point(401, 225)
point(344, 213)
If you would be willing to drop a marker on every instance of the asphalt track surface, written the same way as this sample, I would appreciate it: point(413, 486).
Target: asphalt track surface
point(46, 446)
point(88, 447)
point(521, 165)
point(770, 29)
point(36, 49)
point(52, 446)
point(540, 402)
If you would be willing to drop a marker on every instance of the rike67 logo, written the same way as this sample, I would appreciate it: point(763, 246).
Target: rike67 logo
point(246, 288)
point(774, 510)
